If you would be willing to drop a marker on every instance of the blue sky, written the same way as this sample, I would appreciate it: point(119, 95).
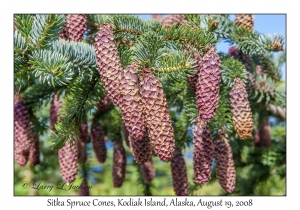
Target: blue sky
point(266, 24)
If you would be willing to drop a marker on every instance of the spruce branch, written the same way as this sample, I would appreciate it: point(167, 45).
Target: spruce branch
point(51, 67)
point(23, 24)
point(45, 29)
point(232, 68)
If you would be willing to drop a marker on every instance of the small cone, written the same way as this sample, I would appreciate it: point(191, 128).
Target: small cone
point(141, 149)
point(173, 19)
point(208, 85)
point(83, 133)
point(224, 163)
point(245, 20)
point(34, 151)
point(76, 26)
point(54, 111)
point(98, 141)
point(67, 157)
point(108, 60)
point(264, 135)
point(84, 188)
point(23, 135)
point(119, 164)
point(203, 152)
point(130, 102)
point(240, 108)
point(179, 175)
point(81, 150)
point(148, 171)
point(157, 116)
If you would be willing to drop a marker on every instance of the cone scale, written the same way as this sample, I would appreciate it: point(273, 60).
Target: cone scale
point(108, 61)
point(130, 102)
point(241, 112)
point(208, 84)
point(203, 152)
point(119, 164)
point(141, 149)
point(157, 116)
point(98, 141)
point(224, 163)
point(179, 175)
point(67, 157)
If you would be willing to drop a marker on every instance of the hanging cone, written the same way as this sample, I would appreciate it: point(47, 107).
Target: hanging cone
point(148, 171)
point(84, 188)
point(108, 60)
point(277, 110)
point(76, 26)
point(264, 135)
point(67, 157)
point(208, 85)
point(81, 150)
point(179, 175)
point(173, 19)
point(245, 20)
point(157, 116)
point(203, 152)
point(34, 151)
point(119, 164)
point(54, 111)
point(224, 163)
point(98, 141)
point(23, 135)
point(83, 133)
point(130, 102)
point(141, 149)
point(241, 112)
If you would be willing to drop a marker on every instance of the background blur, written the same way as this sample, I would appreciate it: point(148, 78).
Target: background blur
point(262, 171)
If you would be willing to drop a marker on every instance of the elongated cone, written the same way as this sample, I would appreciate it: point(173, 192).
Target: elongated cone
point(173, 19)
point(208, 86)
point(148, 171)
point(34, 151)
point(141, 149)
point(277, 110)
point(81, 151)
point(119, 164)
point(84, 188)
point(23, 135)
point(240, 108)
point(224, 163)
point(108, 61)
point(179, 175)
point(83, 133)
point(130, 102)
point(245, 20)
point(264, 137)
point(76, 26)
point(157, 116)
point(98, 141)
point(67, 157)
point(54, 111)
point(203, 152)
